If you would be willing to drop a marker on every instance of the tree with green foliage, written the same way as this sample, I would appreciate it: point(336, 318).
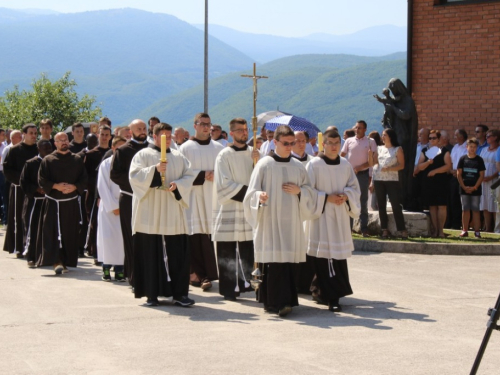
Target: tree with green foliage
point(56, 100)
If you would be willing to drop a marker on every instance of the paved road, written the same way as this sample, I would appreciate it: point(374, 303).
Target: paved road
point(410, 314)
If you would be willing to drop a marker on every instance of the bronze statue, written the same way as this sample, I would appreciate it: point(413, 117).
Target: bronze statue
point(401, 115)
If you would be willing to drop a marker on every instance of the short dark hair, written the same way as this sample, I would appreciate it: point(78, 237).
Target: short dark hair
point(283, 131)
point(236, 121)
point(218, 127)
point(305, 134)
point(28, 126)
point(161, 126)
point(350, 133)
point(391, 133)
point(483, 127)
point(46, 121)
point(200, 115)
point(332, 133)
point(463, 133)
point(106, 120)
point(76, 125)
point(104, 127)
point(154, 118)
point(362, 122)
point(42, 142)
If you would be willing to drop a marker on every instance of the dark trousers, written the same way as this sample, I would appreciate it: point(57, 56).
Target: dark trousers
point(3, 198)
point(125, 204)
point(455, 205)
point(150, 266)
point(229, 265)
point(391, 189)
point(331, 281)
point(278, 287)
point(203, 264)
point(364, 183)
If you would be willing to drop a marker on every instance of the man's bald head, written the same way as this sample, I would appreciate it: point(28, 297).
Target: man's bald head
point(62, 142)
point(139, 130)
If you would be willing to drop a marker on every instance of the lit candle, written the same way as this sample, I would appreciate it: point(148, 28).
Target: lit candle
point(163, 156)
point(320, 142)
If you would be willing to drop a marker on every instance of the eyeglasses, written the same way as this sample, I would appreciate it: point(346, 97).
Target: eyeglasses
point(63, 141)
point(240, 130)
point(431, 138)
point(204, 124)
point(287, 144)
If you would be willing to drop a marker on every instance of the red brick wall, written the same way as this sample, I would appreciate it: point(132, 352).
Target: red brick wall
point(456, 65)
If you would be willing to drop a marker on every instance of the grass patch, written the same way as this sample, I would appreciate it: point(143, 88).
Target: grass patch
point(452, 236)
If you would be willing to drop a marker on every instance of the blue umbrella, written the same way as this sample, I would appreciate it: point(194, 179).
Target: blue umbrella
point(295, 122)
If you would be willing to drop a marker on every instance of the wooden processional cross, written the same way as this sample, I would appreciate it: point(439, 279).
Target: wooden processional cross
point(255, 77)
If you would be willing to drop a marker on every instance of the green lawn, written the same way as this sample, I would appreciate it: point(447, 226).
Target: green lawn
point(452, 236)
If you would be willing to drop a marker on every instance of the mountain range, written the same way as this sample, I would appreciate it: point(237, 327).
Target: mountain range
point(140, 64)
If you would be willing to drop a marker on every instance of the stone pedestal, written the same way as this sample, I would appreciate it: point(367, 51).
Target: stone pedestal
point(418, 224)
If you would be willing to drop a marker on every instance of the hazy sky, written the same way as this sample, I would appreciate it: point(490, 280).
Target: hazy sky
point(276, 17)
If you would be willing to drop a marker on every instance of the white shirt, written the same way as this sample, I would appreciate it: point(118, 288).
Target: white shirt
point(266, 147)
point(2, 147)
point(457, 152)
point(5, 151)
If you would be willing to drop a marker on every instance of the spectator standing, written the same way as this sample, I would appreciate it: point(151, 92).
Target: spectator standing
point(454, 205)
point(487, 203)
point(387, 162)
point(470, 174)
point(481, 131)
point(434, 165)
point(356, 150)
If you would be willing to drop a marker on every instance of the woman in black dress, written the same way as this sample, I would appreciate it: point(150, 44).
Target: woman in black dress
point(435, 163)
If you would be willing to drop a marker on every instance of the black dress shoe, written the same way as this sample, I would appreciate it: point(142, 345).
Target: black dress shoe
point(152, 302)
point(334, 307)
point(230, 298)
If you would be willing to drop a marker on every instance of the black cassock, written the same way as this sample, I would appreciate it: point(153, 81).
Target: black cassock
point(75, 148)
point(32, 207)
point(61, 215)
point(120, 167)
point(92, 160)
point(12, 168)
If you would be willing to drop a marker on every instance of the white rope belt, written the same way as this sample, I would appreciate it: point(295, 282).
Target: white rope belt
point(90, 224)
point(126, 193)
point(165, 257)
point(240, 264)
point(330, 267)
point(58, 218)
point(15, 217)
point(28, 237)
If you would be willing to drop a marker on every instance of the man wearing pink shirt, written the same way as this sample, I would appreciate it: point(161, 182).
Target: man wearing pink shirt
point(356, 149)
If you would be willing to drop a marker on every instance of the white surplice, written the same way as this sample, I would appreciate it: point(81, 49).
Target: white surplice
point(202, 158)
point(278, 226)
point(232, 172)
point(157, 211)
point(329, 235)
point(109, 231)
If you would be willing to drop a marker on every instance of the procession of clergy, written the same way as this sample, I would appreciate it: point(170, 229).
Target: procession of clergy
point(206, 212)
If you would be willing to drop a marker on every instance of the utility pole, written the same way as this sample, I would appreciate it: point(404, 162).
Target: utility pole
point(205, 88)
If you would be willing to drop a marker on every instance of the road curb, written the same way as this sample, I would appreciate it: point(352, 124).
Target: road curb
point(426, 248)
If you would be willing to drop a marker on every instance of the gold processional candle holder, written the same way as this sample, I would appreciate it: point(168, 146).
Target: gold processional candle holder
point(320, 142)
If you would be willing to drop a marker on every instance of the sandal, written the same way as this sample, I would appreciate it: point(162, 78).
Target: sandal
point(385, 233)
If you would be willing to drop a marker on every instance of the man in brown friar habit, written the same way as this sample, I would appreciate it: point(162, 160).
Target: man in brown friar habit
point(62, 177)
point(201, 152)
point(120, 167)
point(92, 160)
point(34, 198)
point(12, 167)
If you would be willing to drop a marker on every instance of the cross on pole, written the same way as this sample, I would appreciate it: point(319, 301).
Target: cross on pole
point(255, 78)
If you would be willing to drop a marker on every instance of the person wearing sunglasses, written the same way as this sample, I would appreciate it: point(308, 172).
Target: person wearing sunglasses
point(279, 198)
point(434, 164)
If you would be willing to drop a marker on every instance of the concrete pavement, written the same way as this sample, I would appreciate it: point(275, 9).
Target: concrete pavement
point(410, 314)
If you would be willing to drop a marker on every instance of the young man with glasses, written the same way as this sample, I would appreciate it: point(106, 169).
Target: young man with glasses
point(278, 200)
point(201, 153)
point(329, 236)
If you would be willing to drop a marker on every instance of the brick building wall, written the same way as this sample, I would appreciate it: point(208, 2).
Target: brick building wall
point(456, 64)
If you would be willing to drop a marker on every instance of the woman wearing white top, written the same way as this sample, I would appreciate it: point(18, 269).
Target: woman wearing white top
point(487, 203)
point(387, 163)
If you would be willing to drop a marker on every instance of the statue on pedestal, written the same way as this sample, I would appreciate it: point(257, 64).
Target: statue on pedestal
point(401, 115)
